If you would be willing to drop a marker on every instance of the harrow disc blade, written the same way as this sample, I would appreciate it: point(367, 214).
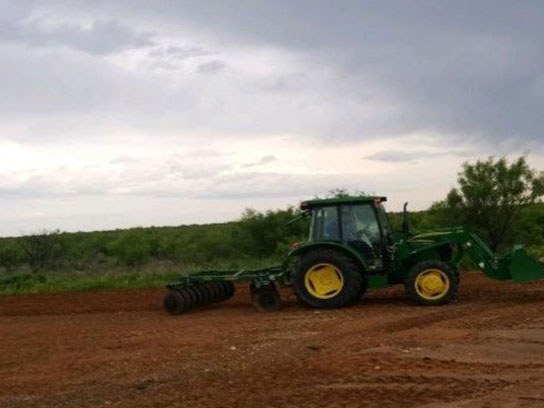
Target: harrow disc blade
point(205, 294)
point(229, 289)
point(200, 296)
point(210, 287)
point(220, 291)
point(174, 302)
point(187, 300)
point(208, 293)
point(193, 296)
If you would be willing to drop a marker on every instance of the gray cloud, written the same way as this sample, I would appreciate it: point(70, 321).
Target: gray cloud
point(459, 78)
point(178, 53)
point(399, 156)
point(267, 185)
point(181, 180)
point(264, 160)
point(211, 67)
point(100, 37)
point(474, 69)
point(124, 159)
point(173, 57)
point(192, 172)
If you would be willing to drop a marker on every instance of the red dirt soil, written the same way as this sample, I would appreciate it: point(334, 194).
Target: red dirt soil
point(119, 349)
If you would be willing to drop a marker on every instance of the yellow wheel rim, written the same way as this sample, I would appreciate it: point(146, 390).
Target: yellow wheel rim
point(323, 281)
point(432, 284)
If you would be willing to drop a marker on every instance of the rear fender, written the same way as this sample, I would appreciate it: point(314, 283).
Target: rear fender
point(319, 245)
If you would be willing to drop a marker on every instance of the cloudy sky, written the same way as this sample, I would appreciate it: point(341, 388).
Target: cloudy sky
point(122, 113)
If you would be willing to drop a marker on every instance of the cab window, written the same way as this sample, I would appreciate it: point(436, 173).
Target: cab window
point(359, 223)
point(325, 224)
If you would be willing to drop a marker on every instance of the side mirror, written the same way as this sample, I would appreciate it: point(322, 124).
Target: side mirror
point(299, 217)
point(405, 225)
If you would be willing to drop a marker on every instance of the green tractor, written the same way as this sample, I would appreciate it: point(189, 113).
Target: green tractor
point(352, 247)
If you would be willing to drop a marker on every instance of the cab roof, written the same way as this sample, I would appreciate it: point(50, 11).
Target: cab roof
point(325, 202)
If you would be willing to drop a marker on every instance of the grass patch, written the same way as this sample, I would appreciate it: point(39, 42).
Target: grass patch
point(51, 283)
point(150, 277)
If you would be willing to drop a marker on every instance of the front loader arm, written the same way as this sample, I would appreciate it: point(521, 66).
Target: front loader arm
point(517, 266)
point(482, 256)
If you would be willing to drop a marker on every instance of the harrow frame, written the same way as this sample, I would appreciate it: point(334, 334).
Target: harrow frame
point(208, 286)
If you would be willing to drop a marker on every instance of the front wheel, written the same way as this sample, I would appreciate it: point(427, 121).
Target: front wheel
point(327, 279)
point(431, 283)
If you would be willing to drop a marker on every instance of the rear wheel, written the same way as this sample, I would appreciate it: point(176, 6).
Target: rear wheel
point(327, 279)
point(431, 283)
point(364, 287)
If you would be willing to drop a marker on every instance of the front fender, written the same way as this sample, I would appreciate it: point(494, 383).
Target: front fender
point(432, 250)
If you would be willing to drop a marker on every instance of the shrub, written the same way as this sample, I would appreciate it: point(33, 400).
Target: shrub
point(131, 248)
point(19, 282)
point(43, 251)
point(11, 255)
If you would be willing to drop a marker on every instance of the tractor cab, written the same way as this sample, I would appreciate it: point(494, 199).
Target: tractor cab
point(359, 222)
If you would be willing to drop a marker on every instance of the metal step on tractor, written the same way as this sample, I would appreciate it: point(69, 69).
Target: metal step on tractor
point(351, 247)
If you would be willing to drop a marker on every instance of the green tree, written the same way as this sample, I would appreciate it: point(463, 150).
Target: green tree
point(345, 193)
point(491, 195)
point(266, 234)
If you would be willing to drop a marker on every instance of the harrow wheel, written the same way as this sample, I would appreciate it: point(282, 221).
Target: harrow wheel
point(265, 298)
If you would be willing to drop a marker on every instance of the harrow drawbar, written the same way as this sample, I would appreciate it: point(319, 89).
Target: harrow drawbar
point(209, 286)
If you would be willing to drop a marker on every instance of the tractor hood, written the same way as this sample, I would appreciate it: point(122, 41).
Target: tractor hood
point(430, 237)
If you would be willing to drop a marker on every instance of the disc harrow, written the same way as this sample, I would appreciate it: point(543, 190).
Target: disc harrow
point(210, 286)
point(180, 299)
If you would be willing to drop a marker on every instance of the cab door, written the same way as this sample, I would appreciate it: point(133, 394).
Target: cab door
point(361, 229)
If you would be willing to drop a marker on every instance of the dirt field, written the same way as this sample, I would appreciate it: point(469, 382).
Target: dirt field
point(118, 349)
